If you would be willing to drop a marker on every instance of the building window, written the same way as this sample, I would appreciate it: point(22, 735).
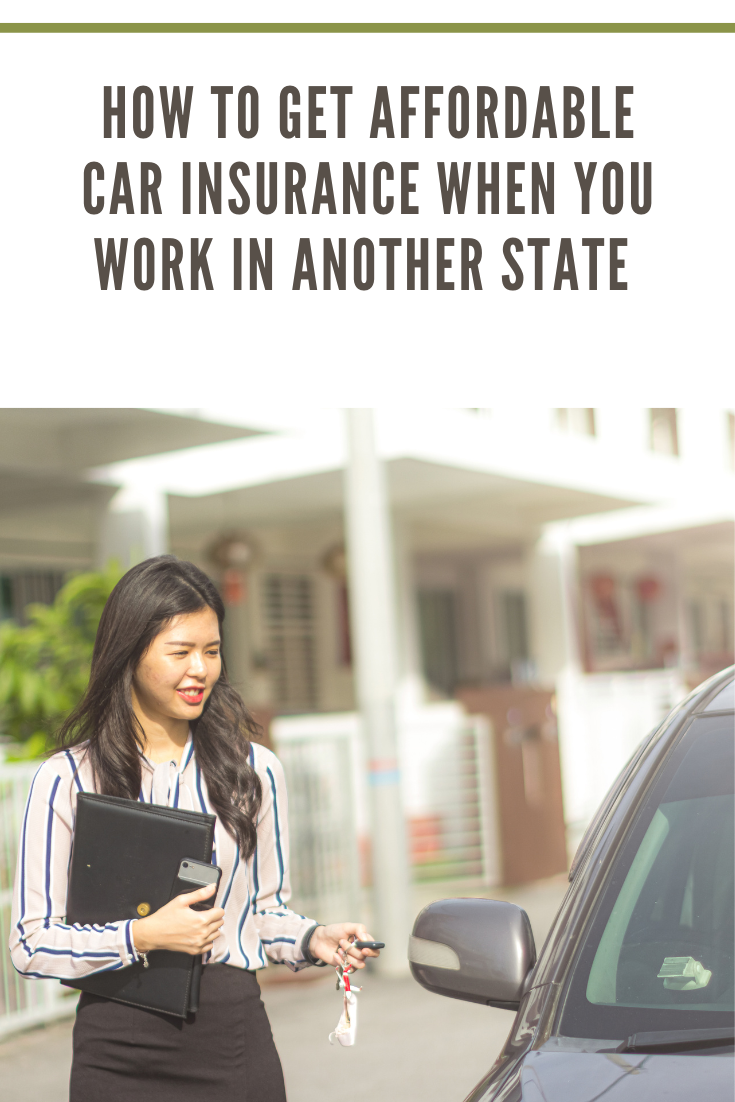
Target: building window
point(289, 620)
point(664, 435)
point(514, 627)
point(438, 626)
point(581, 422)
point(18, 590)
point(344, 631)
point(605, 619)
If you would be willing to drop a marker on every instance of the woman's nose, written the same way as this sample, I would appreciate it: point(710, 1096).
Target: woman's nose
point(197, 667)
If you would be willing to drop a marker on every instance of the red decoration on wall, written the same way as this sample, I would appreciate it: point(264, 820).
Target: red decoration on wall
point(648, 589)
point(234, 587)
point(603, 594)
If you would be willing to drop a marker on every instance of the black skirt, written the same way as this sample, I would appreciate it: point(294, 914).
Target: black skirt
point(223, 1053)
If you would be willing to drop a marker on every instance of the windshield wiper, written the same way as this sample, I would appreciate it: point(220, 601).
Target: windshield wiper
point(678, 1040)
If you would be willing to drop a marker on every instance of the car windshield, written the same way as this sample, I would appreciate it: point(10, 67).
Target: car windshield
point(659, 951)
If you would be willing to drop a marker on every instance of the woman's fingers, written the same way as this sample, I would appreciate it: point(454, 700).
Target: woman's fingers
point(213, 926)
point(353, 955)
point(190, 898)
point(176, 926)
point(335, 944)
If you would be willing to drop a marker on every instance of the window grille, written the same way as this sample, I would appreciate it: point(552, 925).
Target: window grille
point(289, 617)
point(18, 590)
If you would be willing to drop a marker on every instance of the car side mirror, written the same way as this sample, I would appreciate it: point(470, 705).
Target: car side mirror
point(479, 950)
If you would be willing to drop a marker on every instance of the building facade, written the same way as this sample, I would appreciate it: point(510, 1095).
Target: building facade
point(582, 553)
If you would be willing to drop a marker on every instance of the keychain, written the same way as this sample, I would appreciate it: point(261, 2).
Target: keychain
point(347, 1024)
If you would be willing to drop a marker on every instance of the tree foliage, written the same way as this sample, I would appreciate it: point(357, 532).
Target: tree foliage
point(44, 665)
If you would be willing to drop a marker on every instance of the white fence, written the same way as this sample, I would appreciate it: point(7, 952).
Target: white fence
point(319, 759)
point(22, 1002)
point(602, 719)
point(448, 794)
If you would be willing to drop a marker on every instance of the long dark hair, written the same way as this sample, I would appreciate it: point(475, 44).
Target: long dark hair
point(140, 606)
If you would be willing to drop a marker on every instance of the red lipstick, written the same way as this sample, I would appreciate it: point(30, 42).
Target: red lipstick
point(191, 696)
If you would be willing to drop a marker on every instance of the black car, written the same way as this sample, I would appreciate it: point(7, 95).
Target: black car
point(635, 983)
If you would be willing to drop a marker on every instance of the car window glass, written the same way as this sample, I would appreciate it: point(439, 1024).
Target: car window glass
point(605, 807)
point(724, 701)
point(660, 952)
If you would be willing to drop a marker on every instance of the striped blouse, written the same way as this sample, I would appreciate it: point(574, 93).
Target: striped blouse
point(258, 925)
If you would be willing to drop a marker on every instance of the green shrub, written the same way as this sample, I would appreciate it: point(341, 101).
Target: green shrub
point(44, 666)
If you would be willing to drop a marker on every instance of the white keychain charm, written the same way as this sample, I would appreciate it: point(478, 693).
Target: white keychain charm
point(346, 1030)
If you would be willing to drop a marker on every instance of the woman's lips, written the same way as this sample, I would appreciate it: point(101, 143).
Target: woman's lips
point(191, 696)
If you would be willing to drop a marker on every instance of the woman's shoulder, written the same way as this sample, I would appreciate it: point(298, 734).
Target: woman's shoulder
point(66, 765)
point(262, 759)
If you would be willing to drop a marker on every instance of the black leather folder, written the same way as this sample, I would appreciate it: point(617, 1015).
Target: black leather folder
point(125, 862)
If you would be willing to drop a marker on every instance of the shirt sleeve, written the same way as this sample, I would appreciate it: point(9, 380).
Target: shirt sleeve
point(42, 944)
point(280, 929)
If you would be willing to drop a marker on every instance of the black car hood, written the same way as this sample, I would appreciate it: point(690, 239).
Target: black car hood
point(621, 1077)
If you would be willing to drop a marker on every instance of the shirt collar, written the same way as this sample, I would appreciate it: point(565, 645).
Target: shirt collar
point(186, 756)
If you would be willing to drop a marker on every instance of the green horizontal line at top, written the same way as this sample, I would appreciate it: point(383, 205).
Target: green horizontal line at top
point(367, 28)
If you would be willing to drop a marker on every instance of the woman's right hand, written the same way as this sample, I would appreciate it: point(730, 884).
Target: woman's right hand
point(178, 928)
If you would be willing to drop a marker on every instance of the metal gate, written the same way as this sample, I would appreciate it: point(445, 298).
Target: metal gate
point(318, 757)
point(448, 794)
point(23, 1002)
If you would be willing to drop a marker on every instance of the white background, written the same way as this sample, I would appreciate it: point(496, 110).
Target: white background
point(417, 11)
point(664, 341)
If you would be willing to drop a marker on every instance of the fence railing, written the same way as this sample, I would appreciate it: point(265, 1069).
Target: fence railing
point(448, 792)
point(320, 763)
point(23, 1002)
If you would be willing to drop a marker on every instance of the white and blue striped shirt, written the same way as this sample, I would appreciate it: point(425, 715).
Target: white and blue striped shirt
point(258, 925)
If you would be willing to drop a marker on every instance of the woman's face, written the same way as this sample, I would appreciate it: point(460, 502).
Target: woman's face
point(180, 668)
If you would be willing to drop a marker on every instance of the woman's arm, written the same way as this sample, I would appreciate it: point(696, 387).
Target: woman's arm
point(41, 943)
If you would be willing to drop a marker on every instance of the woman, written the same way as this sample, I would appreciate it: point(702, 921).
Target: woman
point(160, 723)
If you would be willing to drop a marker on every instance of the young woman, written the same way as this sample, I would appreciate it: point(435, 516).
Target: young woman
point(161, 723)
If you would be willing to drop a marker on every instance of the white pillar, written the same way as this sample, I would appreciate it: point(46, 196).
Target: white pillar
point(555, 648)
point(372, 601)
point(411, 687)
point(554, 615)
point(135, 526)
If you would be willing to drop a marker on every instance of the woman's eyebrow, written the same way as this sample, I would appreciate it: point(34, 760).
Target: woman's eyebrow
point(181, 643)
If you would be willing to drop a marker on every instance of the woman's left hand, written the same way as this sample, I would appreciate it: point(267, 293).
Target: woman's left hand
point(333, 944)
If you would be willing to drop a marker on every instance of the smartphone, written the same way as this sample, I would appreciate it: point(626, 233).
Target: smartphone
point(192, 875)
point(196, 874)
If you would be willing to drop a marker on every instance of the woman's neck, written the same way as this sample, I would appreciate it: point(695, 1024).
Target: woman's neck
point(164, 737)
point(160, 745)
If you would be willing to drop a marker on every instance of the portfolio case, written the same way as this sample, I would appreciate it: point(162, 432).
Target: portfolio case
point(125, 860)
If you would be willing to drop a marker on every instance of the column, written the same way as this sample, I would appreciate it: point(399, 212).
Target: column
point(135, 526)
point(555, 648)
point(554, 616)
point(373, 605)
point(411, 687)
